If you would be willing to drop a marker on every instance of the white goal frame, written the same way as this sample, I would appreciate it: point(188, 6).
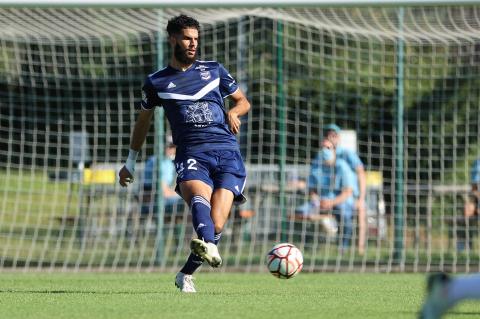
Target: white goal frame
point(233, 3)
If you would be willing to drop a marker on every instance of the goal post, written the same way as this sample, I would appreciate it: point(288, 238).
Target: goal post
point(403, 76)
point(236, 3)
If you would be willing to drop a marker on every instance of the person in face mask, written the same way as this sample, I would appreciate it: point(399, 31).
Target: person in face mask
point(331, 183)
point(170, 198)
point(331, 132)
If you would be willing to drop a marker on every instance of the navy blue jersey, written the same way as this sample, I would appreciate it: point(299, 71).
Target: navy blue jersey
point(193, 103)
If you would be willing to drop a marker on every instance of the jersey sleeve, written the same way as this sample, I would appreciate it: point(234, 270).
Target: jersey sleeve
point(347, 176)
point(228, 85)
point(353, 160)
point(150, 98)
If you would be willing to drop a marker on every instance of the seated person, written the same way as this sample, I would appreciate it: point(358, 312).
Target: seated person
point(331, 132)
point(171, 200)
point(331, 184)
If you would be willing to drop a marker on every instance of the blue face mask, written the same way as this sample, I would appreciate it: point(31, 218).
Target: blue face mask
point(327, 154)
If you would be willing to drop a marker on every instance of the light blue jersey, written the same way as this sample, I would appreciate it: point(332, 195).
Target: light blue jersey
point(329, 181)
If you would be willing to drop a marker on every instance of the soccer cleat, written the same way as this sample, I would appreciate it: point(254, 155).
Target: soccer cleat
point(436, 303)
point(207, 251)
point(184, 282)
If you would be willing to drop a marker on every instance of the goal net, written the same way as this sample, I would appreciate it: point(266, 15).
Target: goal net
point(402, 83)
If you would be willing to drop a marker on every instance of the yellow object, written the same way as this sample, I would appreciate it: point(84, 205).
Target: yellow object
point(98, 176)
point(374, 178)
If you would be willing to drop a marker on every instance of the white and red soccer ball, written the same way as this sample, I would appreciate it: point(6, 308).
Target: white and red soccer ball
point(284, 261)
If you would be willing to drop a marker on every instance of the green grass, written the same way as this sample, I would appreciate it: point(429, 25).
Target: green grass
point(220, 295)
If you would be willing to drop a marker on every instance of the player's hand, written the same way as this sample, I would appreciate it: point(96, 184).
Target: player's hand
point(234, 122)
point(125, 177)
point(326, 204)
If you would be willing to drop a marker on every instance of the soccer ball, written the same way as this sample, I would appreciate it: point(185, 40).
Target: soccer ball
point(284, 261)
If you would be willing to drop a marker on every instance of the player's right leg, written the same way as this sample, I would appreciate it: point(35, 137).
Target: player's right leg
point(207, 251)
point(198, 194)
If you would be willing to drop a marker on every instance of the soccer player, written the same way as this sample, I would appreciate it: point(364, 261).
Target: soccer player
point(210, 170)
point(444, 292)
point(332, 133)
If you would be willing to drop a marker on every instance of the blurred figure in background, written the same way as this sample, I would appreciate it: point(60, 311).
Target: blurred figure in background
point(467, 225)
point(330, 186)
point(171, 200)
point(473, 205)
point(332, 134)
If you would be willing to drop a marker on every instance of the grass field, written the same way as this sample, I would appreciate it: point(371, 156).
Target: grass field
point(220, 295)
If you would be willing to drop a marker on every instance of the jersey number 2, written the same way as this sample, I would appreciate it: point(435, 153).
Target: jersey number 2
point(191, 164)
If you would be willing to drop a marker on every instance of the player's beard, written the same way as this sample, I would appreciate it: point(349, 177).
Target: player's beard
point(182, 57)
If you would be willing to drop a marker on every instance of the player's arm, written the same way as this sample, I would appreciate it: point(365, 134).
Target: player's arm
point(339, 199)
point(346, 183)
point(241, 107)
point(140, 130)
point(139, 134)
point(342, 197)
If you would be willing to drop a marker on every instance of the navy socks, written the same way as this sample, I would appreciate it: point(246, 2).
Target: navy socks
point(202, 221)
point(203, 225)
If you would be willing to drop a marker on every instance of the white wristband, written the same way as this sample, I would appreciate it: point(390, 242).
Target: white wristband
point(131, 160)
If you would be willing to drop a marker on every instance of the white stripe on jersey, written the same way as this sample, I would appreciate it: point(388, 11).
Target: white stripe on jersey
point(243, 186)
point(231, 93)
point(205, 61)
point(207, 88)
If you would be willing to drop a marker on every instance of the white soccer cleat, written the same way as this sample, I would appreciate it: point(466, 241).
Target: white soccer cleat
point(184, 282)
point(436, 303)
point(207, 251)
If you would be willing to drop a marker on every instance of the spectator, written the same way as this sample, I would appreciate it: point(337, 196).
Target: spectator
point(171, 199)
point(332, 133)
point(467, 225)
point(330, 184)
point(475, 178)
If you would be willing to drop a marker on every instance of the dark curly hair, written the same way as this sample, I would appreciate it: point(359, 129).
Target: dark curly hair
point(177, 24)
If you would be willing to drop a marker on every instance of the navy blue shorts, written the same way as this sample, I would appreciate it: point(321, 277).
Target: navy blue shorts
point(217, 168)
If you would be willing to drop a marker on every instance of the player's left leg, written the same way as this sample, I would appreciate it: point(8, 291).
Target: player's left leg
point(229, 182)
